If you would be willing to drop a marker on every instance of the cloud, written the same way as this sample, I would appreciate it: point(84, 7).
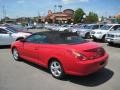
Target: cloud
point(20, 1)
point(72, 1)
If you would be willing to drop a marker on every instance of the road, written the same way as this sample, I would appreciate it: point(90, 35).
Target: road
point(27, 76)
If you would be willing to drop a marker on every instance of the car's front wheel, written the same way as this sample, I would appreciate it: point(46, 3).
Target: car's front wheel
point(16, 54)
point(56, 69)
point(87, 36)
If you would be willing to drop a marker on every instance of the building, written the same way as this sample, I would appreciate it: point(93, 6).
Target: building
point(118, 16)
point(60, 17)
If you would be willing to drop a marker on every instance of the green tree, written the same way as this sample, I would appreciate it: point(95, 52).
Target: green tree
point(91, 18)
point(78, 15)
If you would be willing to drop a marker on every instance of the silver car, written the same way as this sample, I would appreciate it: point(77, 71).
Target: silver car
point(7, 35)
point(113, 37)
point(87, 29)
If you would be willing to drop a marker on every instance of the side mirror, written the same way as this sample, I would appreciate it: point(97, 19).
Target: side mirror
point(112, 30)
point(22, 40)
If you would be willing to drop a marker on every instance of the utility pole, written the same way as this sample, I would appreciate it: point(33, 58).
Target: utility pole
point(55, 8)
point(4, 11)
point(60, 7)
point(38, 13)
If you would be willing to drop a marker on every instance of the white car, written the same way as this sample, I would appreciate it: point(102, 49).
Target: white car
point(77, 28)
point(100, 34)
point(7, 35)
point(113, 37)
point(63, 28)
point(85, 32)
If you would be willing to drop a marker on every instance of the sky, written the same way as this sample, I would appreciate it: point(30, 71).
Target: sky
point(30, 8)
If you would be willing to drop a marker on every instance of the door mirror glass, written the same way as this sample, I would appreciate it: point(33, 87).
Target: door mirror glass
point(112, 29)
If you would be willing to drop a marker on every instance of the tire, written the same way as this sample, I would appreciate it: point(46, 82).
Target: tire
point(94, 39)
point(15, 54)
point(110, 44)
point(87, 35)
point(66, 30)
point(19, 39)
point(103, 38)
point(56, 69)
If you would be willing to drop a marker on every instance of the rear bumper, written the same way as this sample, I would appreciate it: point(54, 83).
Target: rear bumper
point(84, 68)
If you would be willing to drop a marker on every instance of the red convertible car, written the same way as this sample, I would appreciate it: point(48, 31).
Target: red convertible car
point(61, 52)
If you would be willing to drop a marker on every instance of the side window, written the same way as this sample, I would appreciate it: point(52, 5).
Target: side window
point(95, 26)
point(2, 31)
point(115, 27)
point(100, 26)
point(118, 29)
point(37, 38)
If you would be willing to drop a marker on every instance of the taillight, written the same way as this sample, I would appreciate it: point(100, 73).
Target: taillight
point(77, 55)
point(98, 52)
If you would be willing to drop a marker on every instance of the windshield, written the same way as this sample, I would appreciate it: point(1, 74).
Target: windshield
point(106, 27)
point(18, 27)
point(11, 30)
point(88, 26)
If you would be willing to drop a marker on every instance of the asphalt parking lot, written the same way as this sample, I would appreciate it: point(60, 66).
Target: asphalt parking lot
point(27, 76)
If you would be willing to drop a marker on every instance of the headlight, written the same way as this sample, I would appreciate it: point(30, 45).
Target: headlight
point(99, 32)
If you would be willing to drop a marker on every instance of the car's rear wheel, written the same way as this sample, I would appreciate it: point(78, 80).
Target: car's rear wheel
point(110, 44)
point(56, 69)
point(16, 54)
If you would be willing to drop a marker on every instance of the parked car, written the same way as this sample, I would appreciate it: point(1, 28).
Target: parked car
point(113, 37)
point(18, 28)
point(51, 26)
point(39, 26)
point(85, 32)
point(7, 35)
point(63, 28)
point(77, 28)
point(30, 26)
point(101, 33)
point(61, 52)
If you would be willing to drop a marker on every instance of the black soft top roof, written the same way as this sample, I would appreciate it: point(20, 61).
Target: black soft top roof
point(58, 37)
point(61, 33)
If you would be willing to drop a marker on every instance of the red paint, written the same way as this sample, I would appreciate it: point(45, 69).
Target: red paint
point(78, 59)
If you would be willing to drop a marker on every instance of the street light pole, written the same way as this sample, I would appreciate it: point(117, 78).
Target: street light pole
point(60, 7)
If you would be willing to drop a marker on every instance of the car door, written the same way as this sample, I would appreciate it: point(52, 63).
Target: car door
point(5, 37)
point(31, 48)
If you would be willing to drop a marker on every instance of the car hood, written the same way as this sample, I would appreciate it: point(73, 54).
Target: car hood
point(98, 30)
point(114, 32)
